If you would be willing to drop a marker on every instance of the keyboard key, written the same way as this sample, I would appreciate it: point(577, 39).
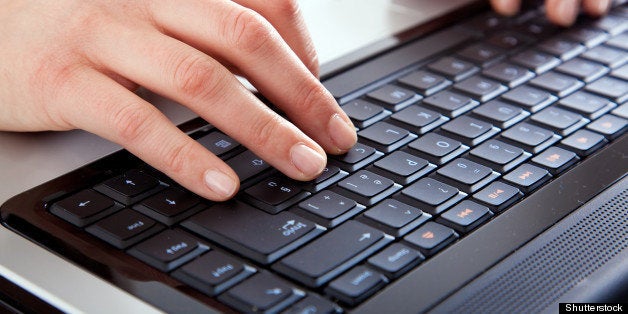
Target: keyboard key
point(528, 177)
point(558, 84)
point(467, 175)
point(556, 159)
point(366, 187)
point(124, 228)
point(330, 209)
point(530, 98)
point(84, 207)
point(465, 216)
point(402, 167)
point(621, 111)
point(385, 137)
point(394, 97)
point(274, 194)
point(264, 292)
point(499, 155)
point(621, 73)
point(584, 142)
point(450, 104)
point(509, 74)
point(219, 144)
point(498, 195)
point(313, 304)
point(425, 82)
point(537, 27)
point(418, 119)
point(431, 238)
point(481, 88)
point(364, 113)
point(501, 114)
point(583, 70)
point(534, 138)
point(609, 126)
point(509, 40)
point(562, 48)
point(453, 68)
point(238, 227)
point(214, 272)
point(619, 41)
point(589, 37)
point(469, 130)
point(430, 195)
point(356, 285)
point(482, 54)
point(587, 104)
point(170, 205)
point(247, 165)
point(396, 260)
point(357, 157)
point(130, 187)
point(607, 56)
point(613, 88)
point(562, 121)
point(611, 24)
point(346, 246)
point(536, 61)
point(330, 175)
point(169, 249)
point(394, 217)
point(437, 148)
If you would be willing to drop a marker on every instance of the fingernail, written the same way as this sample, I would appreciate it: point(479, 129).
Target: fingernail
point(567, 11)
point(307, 160)
point(603, 6)
point(220, 183)
point(342, 133)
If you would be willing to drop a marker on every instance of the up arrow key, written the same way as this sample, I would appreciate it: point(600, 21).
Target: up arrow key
point(365, 236)
point(83, 204)
point(129, 182)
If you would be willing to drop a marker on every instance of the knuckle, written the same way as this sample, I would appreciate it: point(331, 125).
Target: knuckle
point(195, 77)
point(175, 158)
point(130, 122)
point(250, 32)
point(310, 95)
point(265, 130)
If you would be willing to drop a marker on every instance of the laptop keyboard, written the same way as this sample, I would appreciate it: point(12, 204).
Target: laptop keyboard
point(446, 143)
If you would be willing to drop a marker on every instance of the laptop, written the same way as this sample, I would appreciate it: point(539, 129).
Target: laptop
point(489, 177)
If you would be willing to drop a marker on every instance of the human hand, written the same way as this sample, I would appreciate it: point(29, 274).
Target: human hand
point(561, 12)
point(72, 64)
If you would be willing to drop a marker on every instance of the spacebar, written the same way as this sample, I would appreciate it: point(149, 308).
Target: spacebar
point(355, 79)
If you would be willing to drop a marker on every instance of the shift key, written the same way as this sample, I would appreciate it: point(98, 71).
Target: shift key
point(252, 232)
point(332, 254)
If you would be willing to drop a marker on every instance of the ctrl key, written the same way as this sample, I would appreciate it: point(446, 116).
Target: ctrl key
point(124, 228)
point(262, 293)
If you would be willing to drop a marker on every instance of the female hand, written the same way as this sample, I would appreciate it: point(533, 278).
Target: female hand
point(561, 12)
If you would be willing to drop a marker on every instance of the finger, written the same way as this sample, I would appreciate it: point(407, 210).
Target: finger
point(596, 7)
point(96, 103)
point(562, 12)
point(192, 78)
point(506, 7)
point(285, 16)
point(248, 41)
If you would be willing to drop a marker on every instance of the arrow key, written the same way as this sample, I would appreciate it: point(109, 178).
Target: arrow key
point(264, 293)
point(130, 187)
point(84, 207)
point(431, 237)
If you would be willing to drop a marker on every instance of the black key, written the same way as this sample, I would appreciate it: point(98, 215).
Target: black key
point(345, 246)
point(247, 165)
point(366, 187)
point(170, 205)
point(357, 157)
point(562, 48)
point(509, 40)
point(330, 209)
point(609, 126)
point(130, 187)
point(450, 104)
point(263, 293)
point(313, 304)
point(587, 36)
point(584, 142)
point(558, 84)
point(84, 207)
point(240, 227)
point(498, 195)
point(402, 167)
point(509, 74)
point(469, 130)
point(465, 216)
point(532, 99)
point(430, 195)
point(385, 136)
point(583, 70)
point(425, 82)
point(394, 97)
point(588, 104)
point(214, 272)
point(431, 238)
point(275, 194)
point(481, 88)
point(619, 41)
point(610, 87)
point(418, 119)
point(364, 113)
point(534, 138)
point(528, 177)
point(394, 217)
point(562, 121)
point(482, 54)
point(536, 61)
point(537, 27)
point(219, 144)
point(169, 249)
point(467, 175)
point(330, 175)
point(437, 148)
point(621, 111)
point(611, 24)
point(556, 159)
point(499, 155)
point(489, 22)
point(453, 68)
point(621, 73)
point(124, 228)
point(356, 285)
point(396, 260)
point(608, 56)
point(501, 114)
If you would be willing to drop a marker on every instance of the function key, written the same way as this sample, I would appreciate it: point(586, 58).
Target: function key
point(364, 113)
point(396, 260)
point(609, 126)
point(530, 98)
point(402, 167)
point(450, 104)
point(533, 138)
point(169, 249)
point(357, 157)
point(556, 159)
point(562, 121)
point(537, 61)
point(431, 195)
point(431, 238)
point(356, 285)
point(584, 142)
point(418, 119)
point(366, 187)
point(465, 216)
point(170, 205)
point(274, 194)
point(453, 68)
point(469, 130)
point(498, 195)
point(264, 292)
point(329, 209)
point(528, 177)
point(394, 97)
point(501, 114)
point(425, 82)
point(124, 228)
point(394, 217)
point(437, 148)
point(386, 137)
point(130, 187)
point(558, 84)
point(219, 144)
point(84, 207)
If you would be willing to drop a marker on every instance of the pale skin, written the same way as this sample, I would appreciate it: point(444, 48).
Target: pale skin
point(73, 64)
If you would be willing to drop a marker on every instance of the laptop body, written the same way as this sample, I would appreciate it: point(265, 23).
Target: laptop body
point(600, 171)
